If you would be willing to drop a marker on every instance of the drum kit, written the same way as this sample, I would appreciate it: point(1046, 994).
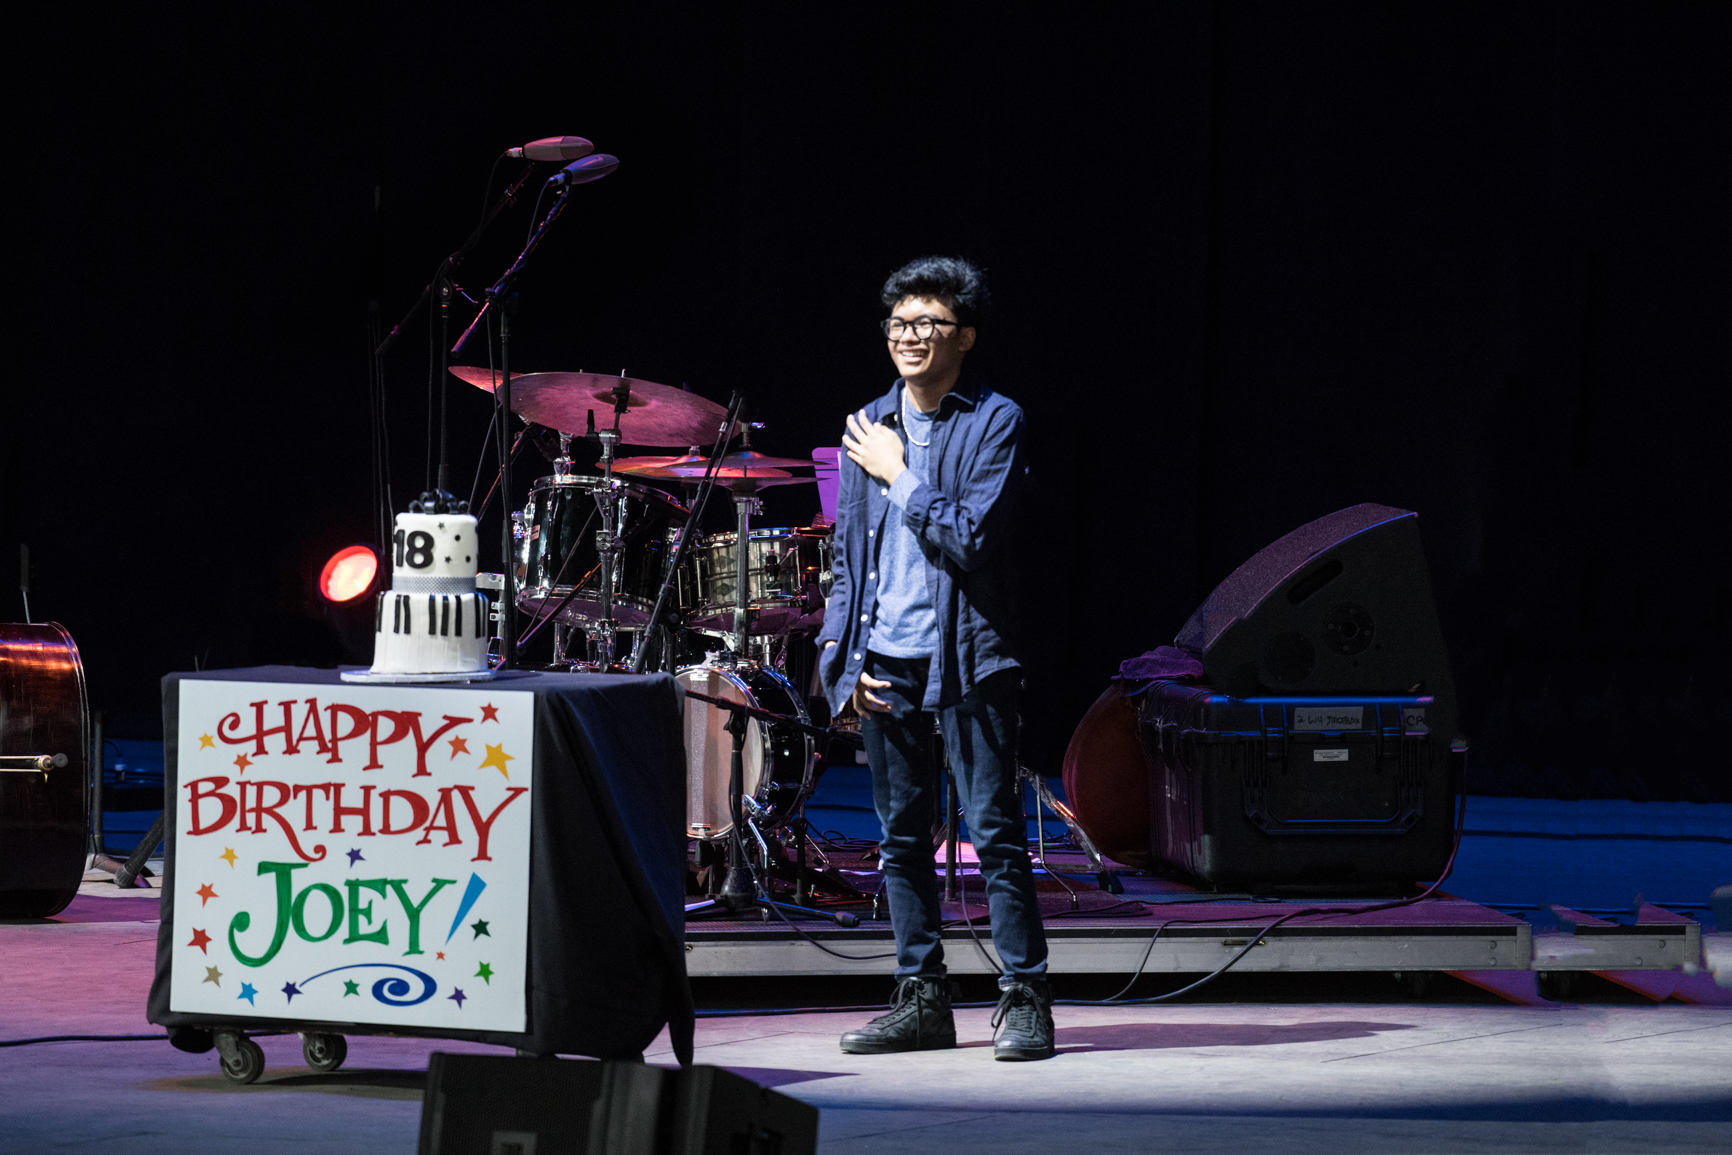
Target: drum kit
point(613, 563)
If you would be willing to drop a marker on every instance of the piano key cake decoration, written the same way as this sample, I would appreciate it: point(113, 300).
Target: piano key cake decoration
point(432, 623)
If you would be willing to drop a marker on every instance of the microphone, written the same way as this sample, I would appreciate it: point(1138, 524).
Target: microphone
point(583, 171)
point(560, 148)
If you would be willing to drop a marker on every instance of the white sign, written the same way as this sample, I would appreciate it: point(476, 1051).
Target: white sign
point(1328, 717)
point(353, 854)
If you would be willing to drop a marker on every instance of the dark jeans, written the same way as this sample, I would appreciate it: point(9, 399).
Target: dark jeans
point(980, 738)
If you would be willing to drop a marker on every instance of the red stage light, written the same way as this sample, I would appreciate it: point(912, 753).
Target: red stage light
point(349, 573)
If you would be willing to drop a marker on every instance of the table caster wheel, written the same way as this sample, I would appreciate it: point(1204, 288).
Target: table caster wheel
point(324, 1053)
point(1413, 983)
point(242, 1060)
point(1557, 986)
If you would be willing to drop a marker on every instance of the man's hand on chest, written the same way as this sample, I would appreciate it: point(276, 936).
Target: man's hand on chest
point(875, 448)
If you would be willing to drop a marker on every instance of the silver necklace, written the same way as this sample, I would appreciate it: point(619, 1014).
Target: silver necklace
point(907, 428)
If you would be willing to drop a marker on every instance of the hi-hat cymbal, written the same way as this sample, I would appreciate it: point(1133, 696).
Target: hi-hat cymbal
point(655, 414)
point(640, 467)
point(744, 463)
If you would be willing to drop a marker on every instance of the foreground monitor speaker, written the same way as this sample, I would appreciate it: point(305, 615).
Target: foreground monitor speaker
point(495, 1105)
point(1342, 605)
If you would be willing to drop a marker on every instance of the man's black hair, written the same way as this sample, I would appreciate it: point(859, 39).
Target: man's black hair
point(952, 280)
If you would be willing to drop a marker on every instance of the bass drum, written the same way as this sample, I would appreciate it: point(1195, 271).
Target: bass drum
point(43, 815)
point(778, 761)
point(558, 550)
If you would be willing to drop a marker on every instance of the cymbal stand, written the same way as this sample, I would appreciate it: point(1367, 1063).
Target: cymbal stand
point(607, 543)
point(561, 631)
point(746, 503)
point(687, 532)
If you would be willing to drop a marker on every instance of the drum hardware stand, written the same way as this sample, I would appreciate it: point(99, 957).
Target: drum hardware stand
point(98, 847)
point(607, 543)
point(1108, 880)
point(687, 531)
point(954, 905)
point(746, 503)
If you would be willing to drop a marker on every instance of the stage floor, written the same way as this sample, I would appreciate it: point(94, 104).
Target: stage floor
point(1271, 1062)
point(1285, 1054)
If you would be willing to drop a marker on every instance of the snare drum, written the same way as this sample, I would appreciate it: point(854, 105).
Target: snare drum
point(778, 761)
point(558, 548)
point(787, 570)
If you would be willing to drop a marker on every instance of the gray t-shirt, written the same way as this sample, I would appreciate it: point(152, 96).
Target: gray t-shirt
point(904, 624)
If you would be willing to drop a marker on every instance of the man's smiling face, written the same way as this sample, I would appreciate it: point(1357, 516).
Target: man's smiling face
point(933, 358)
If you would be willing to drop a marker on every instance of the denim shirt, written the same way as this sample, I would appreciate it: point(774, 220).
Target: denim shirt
point(963, 517)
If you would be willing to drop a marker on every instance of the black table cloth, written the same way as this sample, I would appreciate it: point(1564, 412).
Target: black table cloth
point(606, 947)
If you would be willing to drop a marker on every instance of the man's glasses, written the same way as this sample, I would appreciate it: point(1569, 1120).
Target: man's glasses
point(895, 327)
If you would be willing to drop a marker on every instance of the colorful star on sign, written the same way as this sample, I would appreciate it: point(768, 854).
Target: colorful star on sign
point(248, 990)
point(440, 955)
point(351, 987)
point(485, 974)
point(200, 939)
point(205, 743)
point(212, 975)
point(228, 856)
point(457, 996)
point(479, 926)
point(459, 746)
point(241, 763)
point(355, 856)
point(490, 713)
point(291, 990)
point(497, 758)
point(205, 894)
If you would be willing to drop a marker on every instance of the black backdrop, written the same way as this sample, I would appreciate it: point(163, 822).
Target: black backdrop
point(1253, 263)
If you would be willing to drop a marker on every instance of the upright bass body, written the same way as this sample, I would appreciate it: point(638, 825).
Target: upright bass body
point(43, 813)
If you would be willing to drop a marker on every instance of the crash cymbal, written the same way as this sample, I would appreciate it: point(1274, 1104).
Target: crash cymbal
point(746, 461)
point(655, 414)
point(481, 377)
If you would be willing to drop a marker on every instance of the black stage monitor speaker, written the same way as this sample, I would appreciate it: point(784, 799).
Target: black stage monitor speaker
point(495, 1105)
point(720, 1113)
point(1321, 758)
point(1342, 605)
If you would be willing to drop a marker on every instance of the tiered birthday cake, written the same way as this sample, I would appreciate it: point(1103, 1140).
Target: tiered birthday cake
point(431, 620)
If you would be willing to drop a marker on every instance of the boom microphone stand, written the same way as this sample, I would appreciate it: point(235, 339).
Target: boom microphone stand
point(496, 296)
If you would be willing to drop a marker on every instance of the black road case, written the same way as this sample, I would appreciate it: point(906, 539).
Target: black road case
point(1348, 794)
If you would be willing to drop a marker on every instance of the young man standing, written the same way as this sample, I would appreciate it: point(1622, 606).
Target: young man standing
point(921, 624)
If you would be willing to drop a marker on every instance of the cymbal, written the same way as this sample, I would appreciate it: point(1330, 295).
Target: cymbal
point(638, 467)
point(744, 461)
point(655, 414)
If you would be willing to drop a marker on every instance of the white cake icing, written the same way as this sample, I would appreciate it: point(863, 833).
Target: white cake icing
point(431, 620)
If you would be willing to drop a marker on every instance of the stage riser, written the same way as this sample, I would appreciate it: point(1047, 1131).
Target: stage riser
point(1120, 955)
point(1665, 950)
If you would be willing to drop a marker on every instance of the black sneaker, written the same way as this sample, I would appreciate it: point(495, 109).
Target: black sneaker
point(919, 1020)
point(1023, 1022)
